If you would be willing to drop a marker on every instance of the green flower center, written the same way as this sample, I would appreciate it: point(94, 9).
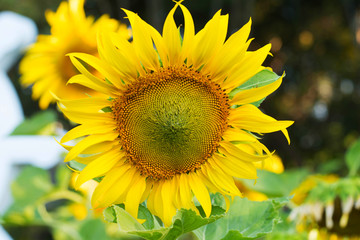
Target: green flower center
point(171, 121)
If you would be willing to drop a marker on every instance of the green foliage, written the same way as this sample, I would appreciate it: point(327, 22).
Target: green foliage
point(41, 203)
point(330, 166)
point(62, 176)
point(185, 221)
point(29, 187)
point(286, 229)
point(244, 220)
point(93, 229)
point(36, 123)
point(277, 185)
point(352, 158)
point(261, 79)
point(76, 165)
point(326, 192)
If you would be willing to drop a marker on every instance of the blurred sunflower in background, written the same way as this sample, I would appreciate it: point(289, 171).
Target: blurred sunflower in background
point(46, 66)
point(171, 123)
point(328, 207)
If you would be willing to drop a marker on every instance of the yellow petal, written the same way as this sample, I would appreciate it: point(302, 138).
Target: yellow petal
point(104, 69)
point(158, 205)
point(77, 8)
point(200, 191)
point(238, 38)
point(189, 33)
point(99, 147)
point(118, 52)
point(150, 203)
point(88, 141)
point(230, 54)
point(235, 167)
point(250, 118)
point(247, 68)
point(86, 118)
point(142, 42)
point(171, 36)
point(220, 179)
point(88, 159)
point(230, 149)
point(85, 129)
point(259, 148)
point(90, 104)
point(100, 83)
point(110, 187)
point(185, 192)
point(176, 191)
point(234, 134)
point(149, 185)
point(99, 167)
point(160, 46)
point(227, 202)
point(95, 85)
point(134, 195)
point(209, 40)
point(40, 87)
point(45, 99)
point(167, 193)
point(255, 94)
point(126, 181)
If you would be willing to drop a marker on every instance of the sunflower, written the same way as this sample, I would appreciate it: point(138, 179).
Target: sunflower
point(45, 65)
point(168, 130)
point(328, 206)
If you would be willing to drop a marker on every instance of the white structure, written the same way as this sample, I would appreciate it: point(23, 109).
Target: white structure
point(17, 32)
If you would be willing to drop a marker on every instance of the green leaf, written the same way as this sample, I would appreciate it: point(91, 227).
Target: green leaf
point(125, 221)
point(272, 184)
point(244, 220)
point(184, 221)
point(330, 166)
point(34, 125)
point(352, 158)
point(260, 79)
point(93, 229)
point(62, 175)
point(107, 109)
point(326, 192)
point(32, 184)
point(30, 187)
point(286, 229)
point(110, 214)
point(76, 165)
point(144, 213)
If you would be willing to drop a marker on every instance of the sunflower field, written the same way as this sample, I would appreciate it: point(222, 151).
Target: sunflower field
point(184, 119)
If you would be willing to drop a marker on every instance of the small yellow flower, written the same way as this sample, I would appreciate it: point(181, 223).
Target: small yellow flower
point(272, 164)
point(166, 130)
point(46, 66)
point(79, 210)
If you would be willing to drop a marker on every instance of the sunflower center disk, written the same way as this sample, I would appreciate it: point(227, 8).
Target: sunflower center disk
point(171, 121)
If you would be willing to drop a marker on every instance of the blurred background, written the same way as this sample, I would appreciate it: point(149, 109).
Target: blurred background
point(315, 42)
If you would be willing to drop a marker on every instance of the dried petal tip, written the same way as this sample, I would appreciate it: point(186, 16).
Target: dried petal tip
point(346, 209)
point(329, 211)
